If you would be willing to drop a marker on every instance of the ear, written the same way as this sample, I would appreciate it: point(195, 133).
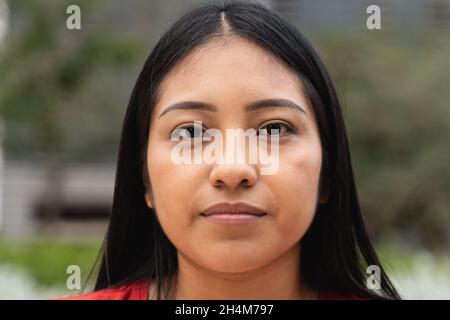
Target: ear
point(148, 196)
point(149, 199)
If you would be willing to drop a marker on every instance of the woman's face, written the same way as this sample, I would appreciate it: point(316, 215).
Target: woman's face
point(228, 76)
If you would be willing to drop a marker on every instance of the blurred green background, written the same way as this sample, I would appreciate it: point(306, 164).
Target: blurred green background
point(63, 95)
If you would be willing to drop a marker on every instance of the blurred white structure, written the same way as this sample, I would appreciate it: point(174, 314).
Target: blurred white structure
point(75, 205)
point(4, 20)
point(427, 278)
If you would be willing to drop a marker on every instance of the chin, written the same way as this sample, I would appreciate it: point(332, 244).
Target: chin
point(235, 263)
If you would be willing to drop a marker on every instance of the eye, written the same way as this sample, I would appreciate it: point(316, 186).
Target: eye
point(277, 128)
point(189, 131)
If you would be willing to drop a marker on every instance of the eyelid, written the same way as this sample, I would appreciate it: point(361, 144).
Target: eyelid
point(186, 125)
point(290, 127)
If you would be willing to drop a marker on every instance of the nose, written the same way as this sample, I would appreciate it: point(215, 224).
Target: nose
point(233, 175)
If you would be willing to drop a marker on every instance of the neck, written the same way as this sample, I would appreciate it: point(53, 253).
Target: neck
point(278, 280)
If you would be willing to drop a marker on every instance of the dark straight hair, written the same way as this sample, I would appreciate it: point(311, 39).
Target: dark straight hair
point(335, 251)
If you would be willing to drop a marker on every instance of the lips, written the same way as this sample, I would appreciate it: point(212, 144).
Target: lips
point(236, 208)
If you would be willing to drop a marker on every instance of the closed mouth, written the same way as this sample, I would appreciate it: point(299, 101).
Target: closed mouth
point(231, 214)
point(239, 208)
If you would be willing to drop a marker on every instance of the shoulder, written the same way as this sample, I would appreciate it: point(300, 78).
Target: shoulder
point(133, 291)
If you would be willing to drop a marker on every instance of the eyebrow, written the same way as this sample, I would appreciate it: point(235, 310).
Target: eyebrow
point(252, 106)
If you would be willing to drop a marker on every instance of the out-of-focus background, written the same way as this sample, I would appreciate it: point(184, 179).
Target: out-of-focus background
point(63, 95)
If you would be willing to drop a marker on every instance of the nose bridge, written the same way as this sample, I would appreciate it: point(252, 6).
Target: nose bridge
point(234, 168)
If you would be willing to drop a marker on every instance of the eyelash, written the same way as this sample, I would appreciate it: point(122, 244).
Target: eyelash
point(186, 127)
point(289, 129)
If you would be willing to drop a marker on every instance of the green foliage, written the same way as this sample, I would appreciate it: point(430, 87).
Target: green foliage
point(47, 260)
point(395, 97)
point(45, 67)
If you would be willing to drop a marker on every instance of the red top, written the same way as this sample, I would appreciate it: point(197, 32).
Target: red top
point(139, 291)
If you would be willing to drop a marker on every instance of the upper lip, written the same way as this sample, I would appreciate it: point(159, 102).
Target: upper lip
point(235, 208)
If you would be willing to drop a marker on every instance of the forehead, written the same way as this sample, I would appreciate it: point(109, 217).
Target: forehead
point(234, 69)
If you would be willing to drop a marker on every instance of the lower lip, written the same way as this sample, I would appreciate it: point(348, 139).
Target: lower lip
point(235, 219)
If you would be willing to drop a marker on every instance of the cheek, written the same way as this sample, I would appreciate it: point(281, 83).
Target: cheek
point(296, 187)
point(173, 186)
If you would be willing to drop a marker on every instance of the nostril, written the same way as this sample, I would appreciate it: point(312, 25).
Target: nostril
point(219, 183)
point(246, 183)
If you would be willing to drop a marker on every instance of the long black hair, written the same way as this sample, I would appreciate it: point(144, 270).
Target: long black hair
point(335, 251)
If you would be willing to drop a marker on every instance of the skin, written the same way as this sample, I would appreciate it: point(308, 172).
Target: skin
point(257, 261)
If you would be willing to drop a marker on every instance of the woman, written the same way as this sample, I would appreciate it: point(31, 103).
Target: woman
point(227, 231)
